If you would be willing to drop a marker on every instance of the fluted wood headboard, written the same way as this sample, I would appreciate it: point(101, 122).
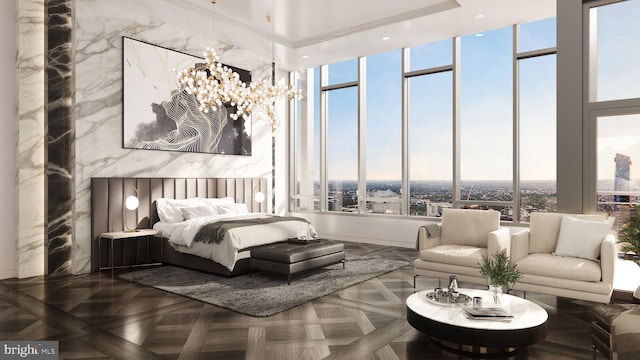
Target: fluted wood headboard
point(108, 194)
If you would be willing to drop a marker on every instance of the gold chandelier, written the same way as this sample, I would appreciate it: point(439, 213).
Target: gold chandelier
point(215, 85)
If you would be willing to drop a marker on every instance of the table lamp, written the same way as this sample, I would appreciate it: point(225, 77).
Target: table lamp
point(131, 203)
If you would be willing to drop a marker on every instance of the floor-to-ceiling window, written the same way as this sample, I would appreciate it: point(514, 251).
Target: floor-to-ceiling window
point(613, 107)
point(342, 149)
point(429, 84)
point(467, 122)
point(486, 120)
point(618, 144)
point(305, 160)
point(536, 111)
point(339, 112)
point(383, 142)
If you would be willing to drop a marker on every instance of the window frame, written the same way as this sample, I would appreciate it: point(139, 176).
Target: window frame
point(406, 75)
point(594, 109)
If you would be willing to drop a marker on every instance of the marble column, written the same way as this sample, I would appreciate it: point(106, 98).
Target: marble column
point(60, 136)
point(30, 74)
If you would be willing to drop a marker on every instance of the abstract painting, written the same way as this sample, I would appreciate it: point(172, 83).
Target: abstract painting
point(157, 115)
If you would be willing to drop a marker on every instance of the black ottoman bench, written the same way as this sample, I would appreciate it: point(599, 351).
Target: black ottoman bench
point(292, 257)
point(603, 316)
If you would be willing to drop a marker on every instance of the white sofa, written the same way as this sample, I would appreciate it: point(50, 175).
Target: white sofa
point(533, 251)
point(456, 245)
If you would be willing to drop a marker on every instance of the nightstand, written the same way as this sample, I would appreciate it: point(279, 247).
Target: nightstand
point(123, 236)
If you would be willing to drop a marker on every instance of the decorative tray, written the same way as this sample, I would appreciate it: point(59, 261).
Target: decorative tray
point(449, 298)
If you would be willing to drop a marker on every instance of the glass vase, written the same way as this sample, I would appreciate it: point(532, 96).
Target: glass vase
point(496, 294)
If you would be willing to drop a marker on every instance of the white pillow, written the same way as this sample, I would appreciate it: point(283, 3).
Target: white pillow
point(170, 210)
point(197, 211)
point(236, 208)
point(581, 238)
point(218, 201)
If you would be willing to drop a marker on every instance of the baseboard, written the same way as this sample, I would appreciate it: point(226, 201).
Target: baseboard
point(366, 240)
point(8, 274)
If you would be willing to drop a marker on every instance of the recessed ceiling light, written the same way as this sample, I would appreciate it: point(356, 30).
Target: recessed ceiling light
point(305, 56)
point(479, 16)
point(385, 38)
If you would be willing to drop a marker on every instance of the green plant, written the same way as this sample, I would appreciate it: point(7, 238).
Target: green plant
point(497, 270)
point(629, 235)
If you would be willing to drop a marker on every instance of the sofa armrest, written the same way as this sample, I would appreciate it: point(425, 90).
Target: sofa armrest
point(425, 241)
point(608, 254)
point(519, 246)
point(499, 240)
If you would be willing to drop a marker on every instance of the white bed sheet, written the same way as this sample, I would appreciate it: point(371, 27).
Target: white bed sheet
point(181, 236)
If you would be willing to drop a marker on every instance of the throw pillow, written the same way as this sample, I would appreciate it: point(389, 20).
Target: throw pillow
point(166, 212)
point(581, 238)
point(170, 210)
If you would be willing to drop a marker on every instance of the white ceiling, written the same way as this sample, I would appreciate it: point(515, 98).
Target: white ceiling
point(306, 33)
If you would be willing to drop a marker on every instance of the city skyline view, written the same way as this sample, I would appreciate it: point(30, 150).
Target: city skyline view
point(428, 198)
point(473, 104)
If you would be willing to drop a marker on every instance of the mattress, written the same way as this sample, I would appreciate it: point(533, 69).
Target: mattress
point(181, 236)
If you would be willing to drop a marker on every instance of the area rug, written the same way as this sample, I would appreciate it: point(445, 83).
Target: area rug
point(262, 293)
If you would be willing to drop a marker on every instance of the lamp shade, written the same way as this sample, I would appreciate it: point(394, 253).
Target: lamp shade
point(131, 202)
point(259, 197)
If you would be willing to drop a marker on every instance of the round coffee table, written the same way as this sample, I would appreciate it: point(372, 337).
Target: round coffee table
point(451, 326)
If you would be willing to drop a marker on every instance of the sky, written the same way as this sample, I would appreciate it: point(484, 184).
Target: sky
point(486, 105)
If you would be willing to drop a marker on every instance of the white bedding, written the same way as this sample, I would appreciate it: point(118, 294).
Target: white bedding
point(181, 236)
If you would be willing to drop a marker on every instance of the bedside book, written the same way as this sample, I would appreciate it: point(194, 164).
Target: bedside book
point(488, 313)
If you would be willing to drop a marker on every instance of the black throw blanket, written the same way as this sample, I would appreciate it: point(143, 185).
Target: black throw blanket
point(214, 232)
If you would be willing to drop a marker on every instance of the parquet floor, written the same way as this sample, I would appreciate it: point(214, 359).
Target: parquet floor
point(96, 317)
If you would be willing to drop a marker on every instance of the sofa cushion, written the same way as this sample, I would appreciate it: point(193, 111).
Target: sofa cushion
point(462, 255)
point(570, 268)
point(468, 227)
point(581, 238)
point(545, 227)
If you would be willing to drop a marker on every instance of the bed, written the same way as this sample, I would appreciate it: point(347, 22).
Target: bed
point(229, 201)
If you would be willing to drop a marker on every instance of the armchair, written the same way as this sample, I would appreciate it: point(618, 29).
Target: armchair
point(458, 243)
point(536, 252)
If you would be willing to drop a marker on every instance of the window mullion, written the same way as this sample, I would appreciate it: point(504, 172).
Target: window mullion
point(456, 123)
point(406, 187)
point(515, 197)
point(362, 135)
point(323, 140)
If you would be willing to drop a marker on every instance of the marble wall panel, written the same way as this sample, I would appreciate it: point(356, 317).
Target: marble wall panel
point(8, 139)
point(99, 27)
point(60, 138)
point(31, 175)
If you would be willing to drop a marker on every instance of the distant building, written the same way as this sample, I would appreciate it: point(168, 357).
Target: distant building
point(425, 207)
point(622, 184)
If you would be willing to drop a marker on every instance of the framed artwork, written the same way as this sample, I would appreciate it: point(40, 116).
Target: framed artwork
point(156, 115)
